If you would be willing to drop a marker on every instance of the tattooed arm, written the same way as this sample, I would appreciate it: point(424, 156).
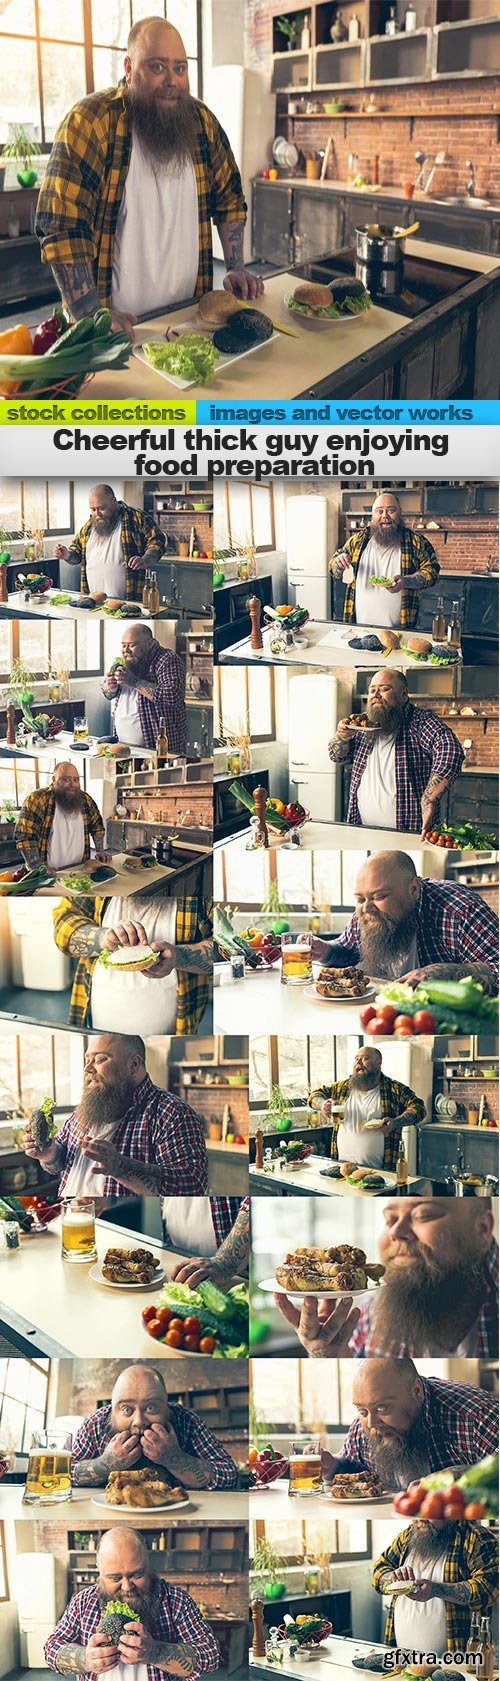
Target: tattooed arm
point(72, 1660)
point(31, 856)
point(231, 1258)
point(76, 284)
point(177, 1658)
point(482, 972)
point(197, 959)
point(238, 278)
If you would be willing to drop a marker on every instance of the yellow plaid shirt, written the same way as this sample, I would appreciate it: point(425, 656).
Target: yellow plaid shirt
point(80, 198)
point(395, 1099)
point(193, 923)
point(37, 815)
point(140, 536)
point(472, 1558)
point(417, 555)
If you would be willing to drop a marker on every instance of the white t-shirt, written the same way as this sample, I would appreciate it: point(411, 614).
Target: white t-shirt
point(127, 719)
point(85, 1178)
point(418, 1625)
point(66, 839)
point(105, 565)
point(128, 1671)
point(374, 605)
point(136, 1003)
point(190, 1225)
point(377, 789)
point(367, 1148)
point(156, 247)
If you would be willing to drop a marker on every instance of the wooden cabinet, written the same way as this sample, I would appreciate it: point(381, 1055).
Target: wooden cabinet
point(272, 223)
point(317, 224)
point(294, 224)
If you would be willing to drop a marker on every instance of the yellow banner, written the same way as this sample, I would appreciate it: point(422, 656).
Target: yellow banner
point(49, 411)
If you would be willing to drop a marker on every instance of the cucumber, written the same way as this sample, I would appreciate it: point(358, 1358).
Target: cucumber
point(83, 329)
point(11, 1209)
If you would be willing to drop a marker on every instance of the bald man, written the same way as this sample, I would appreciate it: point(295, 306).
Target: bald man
point(135, 178)
point(408, 1425)
point(139, 1428)
point(168, 1634)
point(147, 685)
point(57, 824)
point(369, 1096)
point(113, 548)
point(400, 774)
point(385, 549)
point(408, 928)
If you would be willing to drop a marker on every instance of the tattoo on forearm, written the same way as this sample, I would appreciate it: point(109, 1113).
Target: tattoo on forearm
point(31, 856)
point(77, 287)
point(231, 238)
point(141, 1176)
point(86, 941)
point(338, 747)
point(233, 1253)
point(90, 1473)
point(435, 786)
point(180, 1659)
point(193, 1472)
point(72, 1660)
point(482, 972)
point(197, 959)
point(458, 1592)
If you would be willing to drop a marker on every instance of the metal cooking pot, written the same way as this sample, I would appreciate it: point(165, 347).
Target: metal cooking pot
point(380, 282)
point(375, 243)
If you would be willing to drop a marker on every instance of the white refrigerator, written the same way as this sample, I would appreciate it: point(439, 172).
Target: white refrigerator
point(313, 706)
point(40, 1591)
point(308, 545)
point(241, 101)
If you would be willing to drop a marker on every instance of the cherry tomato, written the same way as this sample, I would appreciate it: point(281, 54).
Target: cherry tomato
point(403, 1027)
point(148, 1313)
point(424, 1022)
point(367, 1014)
point(176, 1325)
point(165, 1316)
point(191, 1344)
point(207, 1345)
point(173, 1338)
point(433, 1506)
point(475, 1509)
point(376, 1027)
point(407, 1504)
point(387, 1014)
point(453, 1511)
point(455, 1495)
point(154, 1327)
point(441, 841)
point(192, 1326)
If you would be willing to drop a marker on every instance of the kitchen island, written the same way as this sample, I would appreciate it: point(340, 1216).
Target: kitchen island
point(345, 837)
point(445, 351)
point(272, 1008)
point(85, 1509)
point(334, 1653)
point(45, 607)
point(307, 1180)
point(274, 1504)
point(325, 646)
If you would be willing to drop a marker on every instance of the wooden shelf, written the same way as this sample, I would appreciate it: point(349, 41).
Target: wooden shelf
point(367, 116)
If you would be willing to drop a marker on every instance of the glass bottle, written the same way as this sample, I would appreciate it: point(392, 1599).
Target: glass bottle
point(485, 1650)
point(410, 19)
point(391, 27)
point(473, 1642)
point(305, 38)
point(401, 1169)
point(439, 622)
point(154, 593)
point(161, 745)
point(454, 633)
point(354, 27)
point(146, 591)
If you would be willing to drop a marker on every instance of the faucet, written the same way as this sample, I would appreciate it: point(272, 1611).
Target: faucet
point(471, 184)
point(439, 159)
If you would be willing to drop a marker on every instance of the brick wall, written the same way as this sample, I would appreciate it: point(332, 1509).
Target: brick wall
point(464, 544)
point(483, 732)
point(210, 1103)
point(470, 1092)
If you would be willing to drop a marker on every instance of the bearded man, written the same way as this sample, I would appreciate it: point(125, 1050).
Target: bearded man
point(388, 550)
point(168, 996)
point(134, 179)
point(440, 1291)
point(400, 773)
point(369, 1095)
point(147, 686)
point(168, 1633)
point(56, 824)
point(408, 1426)
point(454, 1567)
point(113, 548)
point(140, 1428)
point(413, 929)
point(125, 1134)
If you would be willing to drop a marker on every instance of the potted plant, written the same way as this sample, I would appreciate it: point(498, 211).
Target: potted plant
point(267, 1563)
point(21, 149)
point(288, 28)
point(278, 1117)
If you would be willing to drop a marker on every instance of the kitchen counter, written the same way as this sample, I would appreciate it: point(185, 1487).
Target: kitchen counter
point(125, 884)
point(342, 837)
point(326, 648)
point(17, 608)
point(205, 1506)
point(336, 1652)
point(307, 1181)
point(346, 189)
point(61, 747)
point(274, 1504)
point(50, 1307)
point(262, 1005)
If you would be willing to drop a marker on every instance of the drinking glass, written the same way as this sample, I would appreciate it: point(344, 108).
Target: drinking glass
point(305, 1465)
point(78, 1229)
point(81, 729)
point(296, 959)
point(48, 1477)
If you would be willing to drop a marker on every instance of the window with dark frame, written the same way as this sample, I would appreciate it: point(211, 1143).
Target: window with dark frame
point(23, 1400)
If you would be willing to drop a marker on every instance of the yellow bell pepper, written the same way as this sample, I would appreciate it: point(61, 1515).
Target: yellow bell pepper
point(17, 341)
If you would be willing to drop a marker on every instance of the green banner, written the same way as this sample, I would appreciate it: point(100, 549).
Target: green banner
point(49, 411)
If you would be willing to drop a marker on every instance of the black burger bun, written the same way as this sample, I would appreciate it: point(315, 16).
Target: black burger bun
point(346, 286)
point(248, 328)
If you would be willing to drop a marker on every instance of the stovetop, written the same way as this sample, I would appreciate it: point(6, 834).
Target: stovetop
point(423, 282)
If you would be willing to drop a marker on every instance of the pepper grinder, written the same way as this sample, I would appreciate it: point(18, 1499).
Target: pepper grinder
point(259, 1148)
point(259, 800)
point(259, 1638)
point(256, 642)
point(11, 725)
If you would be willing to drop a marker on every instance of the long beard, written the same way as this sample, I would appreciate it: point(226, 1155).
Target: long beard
point(385, 718)
point(435, 1305)
point(398, 1460)
point(384, 945)
point(67, 801)
point(363, 1082)
point(167, 136)
point(100, 1105)
point(428, 1544)
point(140, 1600)
point(137, 668)
point(103, 526)
point(387, 536)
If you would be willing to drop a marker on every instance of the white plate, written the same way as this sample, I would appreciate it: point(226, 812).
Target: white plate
point(372, 1126)
point(271, 1288)
point(220, 366)
point(96, 1274)
point(125, 1511)
point(364, 1499)
point(318, 320)
point(363, 729)
point(340, 997)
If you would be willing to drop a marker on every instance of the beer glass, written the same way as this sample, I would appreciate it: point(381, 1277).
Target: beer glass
point(305, 1465)
point(78, 1229)
point(81, 729)
point(48, 1477)
point(296, 959)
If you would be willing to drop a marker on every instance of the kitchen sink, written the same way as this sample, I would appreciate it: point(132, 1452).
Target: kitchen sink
point(467, 203)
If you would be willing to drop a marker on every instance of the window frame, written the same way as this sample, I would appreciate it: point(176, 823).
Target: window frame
point(75, 673)
point(34, 1365)
point(255, 1105)
point(244, 674)
point(261, 548)
point(336, 1555)
point(4, 1597)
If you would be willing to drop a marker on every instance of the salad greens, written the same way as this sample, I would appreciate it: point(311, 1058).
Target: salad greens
point(375, 579)
point(190, 356)
point(223, 1315)
point(458, 1006)
point(333, 311)
point(479, 1482)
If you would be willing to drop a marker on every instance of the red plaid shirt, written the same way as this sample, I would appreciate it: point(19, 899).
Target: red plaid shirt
point(454, 925)
point(460, 1423)
point(175, 1618)
point(224, 1211)
point(167, 671)
point(192, 1435)
point(486, 1346)
point(156, 1128)
point(424, 747)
